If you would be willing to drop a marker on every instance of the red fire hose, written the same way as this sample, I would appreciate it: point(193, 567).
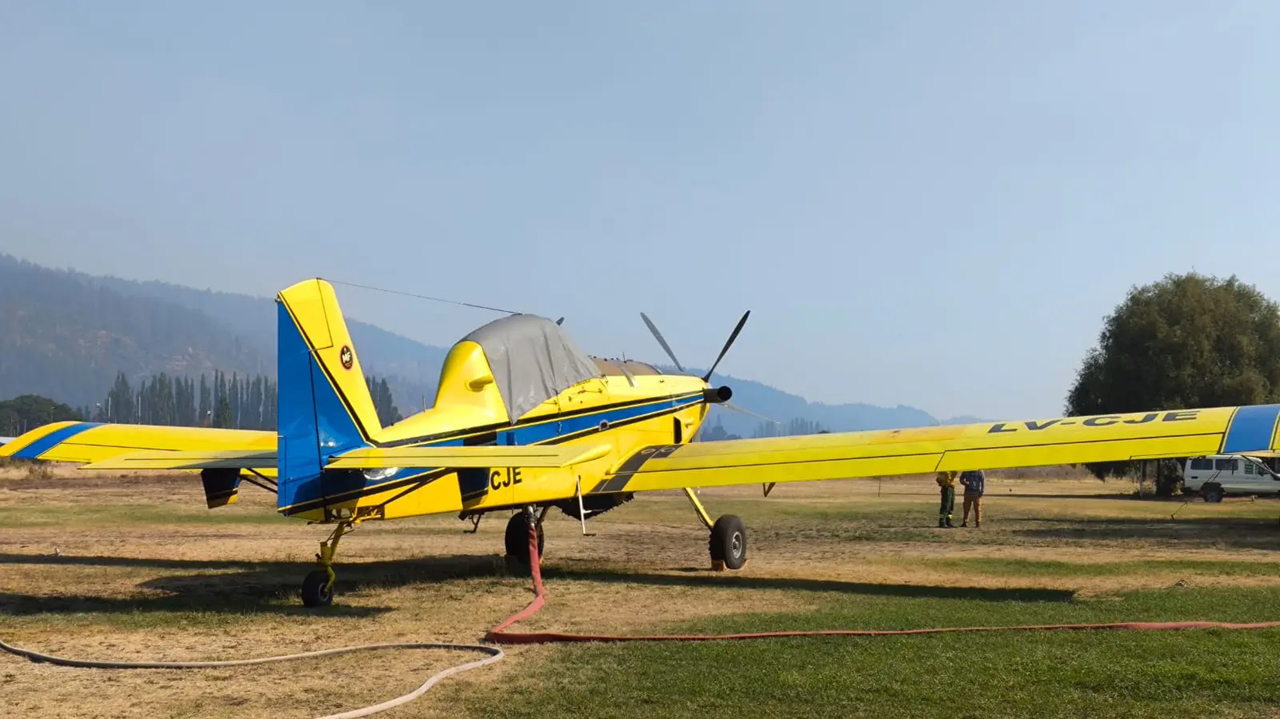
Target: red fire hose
point(499, 635)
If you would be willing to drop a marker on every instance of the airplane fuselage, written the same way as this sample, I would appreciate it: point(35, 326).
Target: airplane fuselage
point(632, 405)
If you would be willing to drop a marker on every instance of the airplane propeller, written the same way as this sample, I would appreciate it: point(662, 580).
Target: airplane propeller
point(736, 408)
point(707, 377)
point(658, 336)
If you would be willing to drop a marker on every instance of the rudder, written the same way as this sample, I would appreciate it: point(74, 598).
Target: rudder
point(324, 406)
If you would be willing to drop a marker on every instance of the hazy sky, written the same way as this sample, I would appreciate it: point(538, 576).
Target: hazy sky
point(926, 203)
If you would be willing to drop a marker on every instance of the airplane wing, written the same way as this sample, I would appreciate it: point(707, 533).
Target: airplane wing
point(365, 458)
point(263, 461)
point(87, 443)
point(1068, 440)
point(146, 447)
point(466, 457)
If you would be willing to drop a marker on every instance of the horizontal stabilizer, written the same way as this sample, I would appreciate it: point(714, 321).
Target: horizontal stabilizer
point(483, 456)
point(191, 459)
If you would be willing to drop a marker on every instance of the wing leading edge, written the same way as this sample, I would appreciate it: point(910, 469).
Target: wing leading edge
point(996, 445)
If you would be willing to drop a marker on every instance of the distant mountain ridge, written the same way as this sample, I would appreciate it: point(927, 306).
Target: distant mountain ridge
point(400, 359)
point(64, 334)
point(780, 406)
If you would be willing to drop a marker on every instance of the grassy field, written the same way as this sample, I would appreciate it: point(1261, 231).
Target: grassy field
point(132, 569)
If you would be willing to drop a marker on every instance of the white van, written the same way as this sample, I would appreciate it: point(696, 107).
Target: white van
point(1221, 474)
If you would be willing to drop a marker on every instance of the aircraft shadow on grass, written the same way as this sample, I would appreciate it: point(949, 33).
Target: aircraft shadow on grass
point(1191, 532)
point(237, 586)
point(267, 587)
point(707, 580)
point(1111, 497)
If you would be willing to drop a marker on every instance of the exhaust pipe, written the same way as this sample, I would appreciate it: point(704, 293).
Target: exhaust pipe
point(717, 395)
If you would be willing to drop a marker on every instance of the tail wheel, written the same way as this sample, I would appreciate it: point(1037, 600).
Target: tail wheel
point(314, 591)
point(517, 539)
point(728, 543)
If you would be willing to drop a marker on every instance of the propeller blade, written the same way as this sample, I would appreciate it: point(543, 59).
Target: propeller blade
point(736, 408)
point(732, 337)
point(658, 336)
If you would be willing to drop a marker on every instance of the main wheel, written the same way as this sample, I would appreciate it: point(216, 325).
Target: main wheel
point(314, 593)
point(517, 539)
point(728, 542)
point(1211, 493)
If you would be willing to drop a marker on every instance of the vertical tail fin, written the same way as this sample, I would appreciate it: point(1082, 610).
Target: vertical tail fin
point(324, 403)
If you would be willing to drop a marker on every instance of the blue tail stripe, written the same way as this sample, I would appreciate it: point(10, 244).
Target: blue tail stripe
point(1252, 429)
point(312, 420)
point(336, 431)
point(53, 439)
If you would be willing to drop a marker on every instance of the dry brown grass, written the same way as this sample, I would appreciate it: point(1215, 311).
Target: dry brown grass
point(157, 579)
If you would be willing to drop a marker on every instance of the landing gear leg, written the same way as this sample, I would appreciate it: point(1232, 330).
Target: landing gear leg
point(317, 588)
point(728, 545)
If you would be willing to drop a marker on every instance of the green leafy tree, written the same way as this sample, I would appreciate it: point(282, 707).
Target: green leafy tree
point(797, 426)
point(383, 402)
point(1187, 341)
point(234, 397)
point(28, 411)
point(269, 406)
point(120, 401)
point(205, 409)
point(222, 413)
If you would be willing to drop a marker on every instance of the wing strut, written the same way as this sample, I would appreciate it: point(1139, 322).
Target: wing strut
point(582, 511)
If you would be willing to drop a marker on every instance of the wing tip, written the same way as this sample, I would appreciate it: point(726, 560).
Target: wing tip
point(33, 443)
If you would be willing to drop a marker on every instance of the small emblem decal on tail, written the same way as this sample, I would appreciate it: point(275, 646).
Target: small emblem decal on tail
point(346, 357)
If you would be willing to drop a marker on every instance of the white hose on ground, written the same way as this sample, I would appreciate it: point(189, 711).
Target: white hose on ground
point(495, 654)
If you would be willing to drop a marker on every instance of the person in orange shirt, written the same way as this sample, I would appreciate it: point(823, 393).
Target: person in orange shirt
point(947, 482)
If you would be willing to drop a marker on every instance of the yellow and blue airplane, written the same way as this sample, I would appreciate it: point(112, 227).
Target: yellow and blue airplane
point(524, 420)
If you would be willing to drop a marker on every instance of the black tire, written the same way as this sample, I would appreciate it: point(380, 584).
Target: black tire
point(314, 593)
point(1211, 493)
point(517, 540)
point(729, 542)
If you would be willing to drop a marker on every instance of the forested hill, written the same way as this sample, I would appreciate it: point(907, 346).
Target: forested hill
point(66, 335)
point(66, 339)
point(254, 318)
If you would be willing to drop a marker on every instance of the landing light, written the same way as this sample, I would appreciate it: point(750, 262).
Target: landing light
point(381, 473)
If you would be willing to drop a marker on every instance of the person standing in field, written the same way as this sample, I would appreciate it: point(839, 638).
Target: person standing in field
point(975, 482)
point(947, 482)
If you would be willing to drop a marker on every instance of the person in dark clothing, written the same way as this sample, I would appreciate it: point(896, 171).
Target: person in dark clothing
point(974, 482)
point(947, 483)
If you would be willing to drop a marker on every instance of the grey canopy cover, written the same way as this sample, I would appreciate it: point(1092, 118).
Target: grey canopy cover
point(532, 360)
